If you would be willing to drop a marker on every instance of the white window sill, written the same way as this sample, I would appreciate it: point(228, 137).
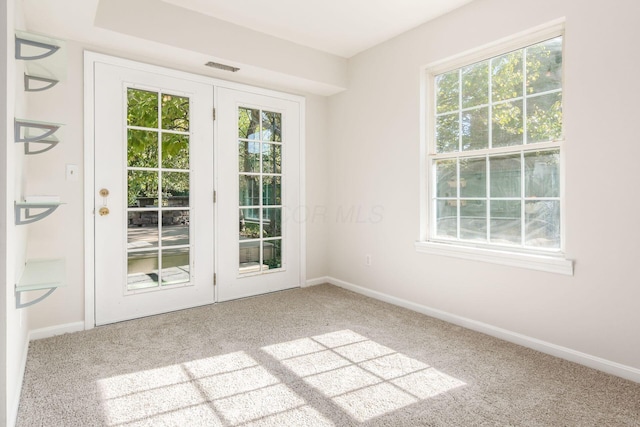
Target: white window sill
point(551, 264)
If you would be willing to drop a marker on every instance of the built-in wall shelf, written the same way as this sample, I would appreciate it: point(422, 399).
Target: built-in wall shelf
point(45, 60)
point(37, 83)
point(30, 47)
point(40, 275)
point(29, 132)
point(32, 211)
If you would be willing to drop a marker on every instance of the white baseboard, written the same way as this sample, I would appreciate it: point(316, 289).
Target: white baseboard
point(52, 331)
point(316, 281)
point(614, 368)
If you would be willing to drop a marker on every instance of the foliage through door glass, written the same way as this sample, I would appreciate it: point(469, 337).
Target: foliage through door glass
point(260, 190)
point(158, 184)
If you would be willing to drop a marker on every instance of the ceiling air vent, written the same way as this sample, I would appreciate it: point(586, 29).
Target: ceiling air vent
point(222, 66)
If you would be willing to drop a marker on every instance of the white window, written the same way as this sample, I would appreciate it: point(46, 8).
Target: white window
point(494, 159)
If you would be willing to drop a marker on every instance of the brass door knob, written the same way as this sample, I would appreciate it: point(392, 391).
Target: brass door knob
point(104, 192)
point(103, 211)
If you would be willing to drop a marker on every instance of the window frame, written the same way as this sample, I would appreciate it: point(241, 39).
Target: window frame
point(550, 260)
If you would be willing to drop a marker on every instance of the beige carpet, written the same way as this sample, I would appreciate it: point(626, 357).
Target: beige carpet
point(317, 356)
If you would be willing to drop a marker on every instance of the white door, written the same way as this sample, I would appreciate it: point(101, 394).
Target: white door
point(154, 242)
point(258, 208)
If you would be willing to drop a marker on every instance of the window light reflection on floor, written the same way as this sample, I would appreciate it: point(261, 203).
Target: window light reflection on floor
point(230, 389)
point(363, 378)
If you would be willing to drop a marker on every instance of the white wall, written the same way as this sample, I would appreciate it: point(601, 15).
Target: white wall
point(315, 212)
point(374, 145)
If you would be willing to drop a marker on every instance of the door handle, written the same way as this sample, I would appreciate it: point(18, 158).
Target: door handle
point(104, 210)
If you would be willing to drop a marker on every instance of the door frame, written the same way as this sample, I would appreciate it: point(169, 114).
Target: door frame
point(91, 58)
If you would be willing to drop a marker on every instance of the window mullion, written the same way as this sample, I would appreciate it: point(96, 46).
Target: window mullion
point(490, 145)
point(488, 196)
point(458, 201)
point(524, 97)
point(460, 110)
point(512, 149)
point(523, 175)
point(490, 126)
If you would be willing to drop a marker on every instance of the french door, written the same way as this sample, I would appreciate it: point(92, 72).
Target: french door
point(183, 203)
point(154, 223)
point(258, 194)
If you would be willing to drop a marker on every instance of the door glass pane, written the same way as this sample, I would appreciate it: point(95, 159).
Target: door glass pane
point(142, 270)
point(175, 266)
point(142, 230)
point(249, 190)
point(249, 156)
point(272, 254)
point(271, 158)
point(249, 257)
point(142, 148)
point(175, 228)
point(272, 190)
point(272, 222)
point(248, 123)
point(175, 189)
point(175, 113)
point(175, 151)
point(142, 108)
point(271, 126)
point(249, 224)
point(142, 189)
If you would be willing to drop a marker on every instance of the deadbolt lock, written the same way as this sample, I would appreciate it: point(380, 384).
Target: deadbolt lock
point(104, 192)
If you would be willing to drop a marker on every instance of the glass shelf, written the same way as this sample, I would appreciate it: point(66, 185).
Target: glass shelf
point(44, 56)
point(35, 83)
point(31, 49)
point(31, 131)
point(45, 209)
point(39, 275)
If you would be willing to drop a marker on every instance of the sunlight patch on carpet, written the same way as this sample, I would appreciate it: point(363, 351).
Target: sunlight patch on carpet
point(230, 389)
point(364, 378)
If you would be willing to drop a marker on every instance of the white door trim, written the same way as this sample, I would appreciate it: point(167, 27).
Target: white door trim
point(90, 58)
